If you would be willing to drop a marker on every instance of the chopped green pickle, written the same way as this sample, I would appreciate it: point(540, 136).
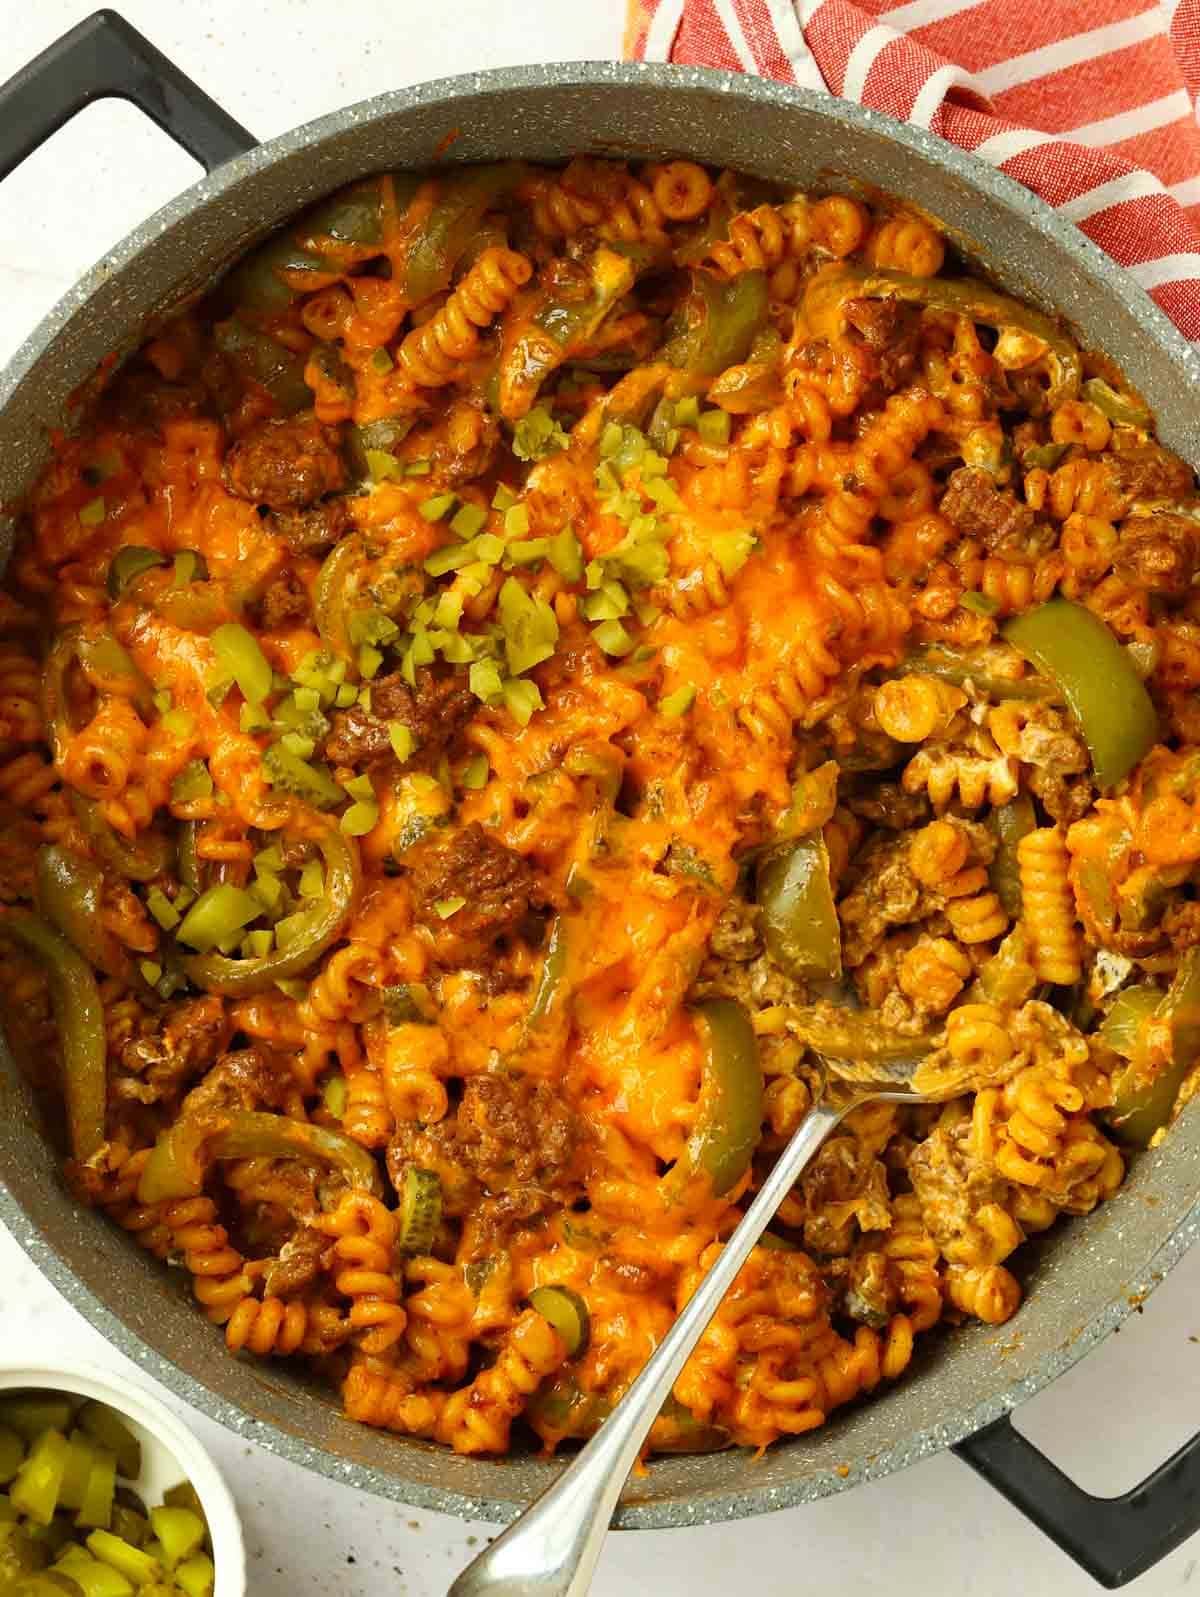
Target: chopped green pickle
point(107, 1427)
point(81, 1460)
point(184, 1495)
point(132, 1562)
point(20, 1553)
point(180, 1531)
point(129, 1525)
point(95, 1511)
point(31, 1413)
point(12, 1452)
point(93, 1578)
point(420, 1209)
point(38, 1485)
point(196, 1577)
point(566, 1312)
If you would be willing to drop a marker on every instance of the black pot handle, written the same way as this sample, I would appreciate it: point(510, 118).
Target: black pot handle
point(1114, 1538)
point(104, 57)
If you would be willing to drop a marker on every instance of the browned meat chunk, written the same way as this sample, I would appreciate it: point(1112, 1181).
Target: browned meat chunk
point(890, 331)
point(1159, 553)
point(1148, 471)
point(498, 888)
point(981, 510)
point(313, 531)
point(285, 465)
point(143, 399)
point(509, 1135)
point(286, 599)
point(191, 1036)
point(887, 804)
point(435, 712)
point(517, 1132)
point(247, 1079)
point(298, 1266)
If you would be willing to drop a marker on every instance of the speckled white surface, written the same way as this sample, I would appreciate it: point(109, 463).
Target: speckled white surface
point(274, 63)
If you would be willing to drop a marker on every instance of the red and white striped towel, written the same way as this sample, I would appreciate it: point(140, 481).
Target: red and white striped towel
point(1090, 103)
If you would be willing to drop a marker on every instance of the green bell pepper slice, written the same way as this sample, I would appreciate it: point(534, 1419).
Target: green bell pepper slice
point(719, 322)
point(547, 1018)
point(460, 202)
point(1131, 1008)
point(729, 1121)
point(1096, 677)
point(104, 662)
point(180, 1160)
point(1144, 1093)
point(267, 362)
point(677, 1430)
point(332, 592)
point(853, 1036)
point(558, 326)
point(79, 1015)
point(796, 909)
point(68, 892)
point(351, 216)
point(961, 297)
point(321, 926)
point(561, 1409)
point(141, 859)
point(1118, 407)
point(948, 665)
point(1010, 823)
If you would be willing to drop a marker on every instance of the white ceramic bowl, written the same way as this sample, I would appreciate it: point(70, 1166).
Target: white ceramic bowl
point(170, 1453)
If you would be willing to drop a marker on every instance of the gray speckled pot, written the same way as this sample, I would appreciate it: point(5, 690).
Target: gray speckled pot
point(1081, 1280)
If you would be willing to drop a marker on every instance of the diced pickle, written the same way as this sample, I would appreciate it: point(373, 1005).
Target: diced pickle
point(184, 1495)
point(179, 1530)
point(12, 1452)
point(93, 1578)
point(132, 1562)
point(566, 1311)
point(95, 1511)
point(35, 1491)
point(111, 1431)
point(129, 1525)
point(80, 1460)
point(50, 1583)
point(20, 1554)
point(196, 1577)
point(31, 1413)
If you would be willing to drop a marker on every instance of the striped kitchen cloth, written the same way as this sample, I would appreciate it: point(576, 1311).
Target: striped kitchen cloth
point(1090, 103)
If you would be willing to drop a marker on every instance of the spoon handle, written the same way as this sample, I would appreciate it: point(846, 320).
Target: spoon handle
point(551, 1550)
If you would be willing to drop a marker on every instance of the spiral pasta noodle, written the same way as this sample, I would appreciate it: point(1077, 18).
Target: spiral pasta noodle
point(1049, 905)
point(437, 352)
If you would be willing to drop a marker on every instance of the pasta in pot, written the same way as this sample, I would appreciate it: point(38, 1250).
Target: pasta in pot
point(496, 690)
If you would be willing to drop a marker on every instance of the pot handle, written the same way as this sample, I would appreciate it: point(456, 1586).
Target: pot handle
point(1114, 1538)
point(104, 57)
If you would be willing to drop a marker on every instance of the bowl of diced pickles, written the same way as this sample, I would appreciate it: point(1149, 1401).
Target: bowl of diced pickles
point(103, 1493)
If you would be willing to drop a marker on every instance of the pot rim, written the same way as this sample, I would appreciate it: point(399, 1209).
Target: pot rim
point(977, 175)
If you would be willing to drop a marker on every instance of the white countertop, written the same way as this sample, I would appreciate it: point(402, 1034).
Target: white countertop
point(935, 1529)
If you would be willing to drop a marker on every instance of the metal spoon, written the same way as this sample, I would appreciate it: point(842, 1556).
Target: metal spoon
point(552, 1549)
